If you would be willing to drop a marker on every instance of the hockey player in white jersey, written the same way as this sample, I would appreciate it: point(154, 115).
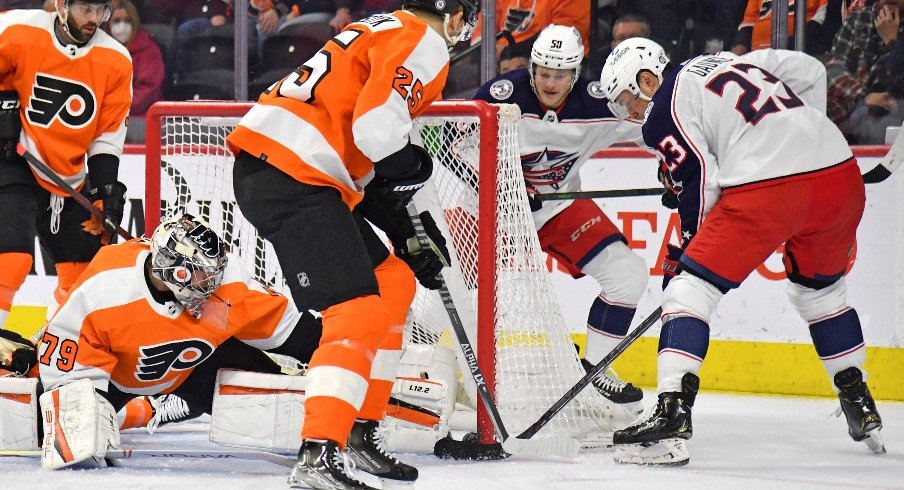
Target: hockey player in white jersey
point(756, 164)
point(564, 121)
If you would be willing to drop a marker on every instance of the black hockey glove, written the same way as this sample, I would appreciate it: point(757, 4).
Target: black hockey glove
point(670, 195)
point(403, 173)
point(10, 124)
point(425, 263)
point(535, 204)
point(17, 354)
point(671, 266)
point(111, 200)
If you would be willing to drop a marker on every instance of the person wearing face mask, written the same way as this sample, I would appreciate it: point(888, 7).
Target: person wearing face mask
point(147, 61)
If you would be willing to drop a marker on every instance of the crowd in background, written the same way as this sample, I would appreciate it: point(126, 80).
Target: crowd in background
point(181, 49)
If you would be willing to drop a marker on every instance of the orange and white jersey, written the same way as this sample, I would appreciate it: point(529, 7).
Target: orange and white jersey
point(758, 15)
point(112, 331)
point(525, 19)
point(350, 105)
point(75, 100)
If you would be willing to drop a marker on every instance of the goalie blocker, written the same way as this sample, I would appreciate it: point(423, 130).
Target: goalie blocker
point(266, 411)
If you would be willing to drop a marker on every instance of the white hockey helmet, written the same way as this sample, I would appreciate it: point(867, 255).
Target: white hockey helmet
point(623, 65)
point(559, 47)
point(189, 258)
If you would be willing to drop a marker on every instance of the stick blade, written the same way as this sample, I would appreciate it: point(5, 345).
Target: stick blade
point(468, 449)
point(889, 163)
point(546, 447)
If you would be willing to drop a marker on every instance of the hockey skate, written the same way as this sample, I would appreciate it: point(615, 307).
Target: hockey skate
point(660, 439)
point(366, 449)
point(322, 465)
point(169, 409)
point(616, 390)
point(864, 422)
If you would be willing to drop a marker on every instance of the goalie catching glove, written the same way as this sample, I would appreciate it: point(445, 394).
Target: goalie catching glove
point(80, 426)
point(17, 354)
point(111, 200)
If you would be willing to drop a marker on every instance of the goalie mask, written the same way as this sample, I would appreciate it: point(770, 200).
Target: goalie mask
point(190, 259)
point(445, 9)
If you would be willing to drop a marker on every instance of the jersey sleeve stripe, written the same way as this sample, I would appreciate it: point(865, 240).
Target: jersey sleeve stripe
point(300, 138)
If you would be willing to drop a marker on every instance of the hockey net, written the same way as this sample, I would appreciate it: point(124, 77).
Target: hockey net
point(477, 195)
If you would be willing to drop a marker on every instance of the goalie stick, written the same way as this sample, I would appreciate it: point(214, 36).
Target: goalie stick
point(593, 373)
point(280, 459)
point(79, 198)
point(562, 447)
point(889, 163)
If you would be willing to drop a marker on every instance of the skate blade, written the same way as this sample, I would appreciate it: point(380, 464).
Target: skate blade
point(667, 452)
point(390, 484)
point(874, 441)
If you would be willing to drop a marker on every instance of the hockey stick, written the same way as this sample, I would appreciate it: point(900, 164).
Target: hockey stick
point(593, 373)
point(889, 163)
point(79, 198)
point(280, 459)
point(560, 196)
point(562, 447)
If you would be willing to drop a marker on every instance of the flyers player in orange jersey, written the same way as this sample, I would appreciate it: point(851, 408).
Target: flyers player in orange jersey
point(323, 149)
point(65, 92)
point(155, 317)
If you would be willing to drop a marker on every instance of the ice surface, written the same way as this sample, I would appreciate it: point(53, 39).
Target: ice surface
point(740, 441)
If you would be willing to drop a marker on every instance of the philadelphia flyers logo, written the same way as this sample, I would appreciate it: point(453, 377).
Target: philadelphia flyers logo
point(71, 102)
point(157, 360)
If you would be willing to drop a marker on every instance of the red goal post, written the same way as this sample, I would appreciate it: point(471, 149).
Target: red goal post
point(477, 196)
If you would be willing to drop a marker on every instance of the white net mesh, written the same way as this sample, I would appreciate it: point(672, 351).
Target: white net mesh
point(536, 361)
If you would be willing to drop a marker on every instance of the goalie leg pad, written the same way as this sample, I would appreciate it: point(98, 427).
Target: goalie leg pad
point(79, 426)
point(667, 452)
point(423, 399)
point(18, 413)
point(258, 410)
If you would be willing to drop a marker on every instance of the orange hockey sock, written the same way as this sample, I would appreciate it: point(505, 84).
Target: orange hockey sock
point(14, 268)
point(138, 413)
point(67, 273)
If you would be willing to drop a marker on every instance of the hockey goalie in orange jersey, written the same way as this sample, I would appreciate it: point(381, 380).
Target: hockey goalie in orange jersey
point(324, 149)
point(65, 92)
point(160, 317)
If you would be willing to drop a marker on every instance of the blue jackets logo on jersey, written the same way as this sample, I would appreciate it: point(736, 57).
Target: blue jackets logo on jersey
point(502, 89)
point(52, 97)
point(157, 360)
point(554, 167)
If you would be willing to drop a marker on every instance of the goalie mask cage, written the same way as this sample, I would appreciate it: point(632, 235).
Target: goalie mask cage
point(477, 195)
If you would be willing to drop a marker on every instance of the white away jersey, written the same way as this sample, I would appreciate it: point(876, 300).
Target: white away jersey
point(554, 144)
point(722, 121)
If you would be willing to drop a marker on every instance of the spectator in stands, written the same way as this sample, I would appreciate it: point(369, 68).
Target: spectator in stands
point(348, 11)
point(755, 31)
point(525, 19)
point(862, 97)
point(147, 65)
point(515, 56)
point(626, 26)
point(275, 15)
point(196, 17)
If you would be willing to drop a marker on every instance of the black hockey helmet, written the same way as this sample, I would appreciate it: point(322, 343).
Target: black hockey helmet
point(443, 7)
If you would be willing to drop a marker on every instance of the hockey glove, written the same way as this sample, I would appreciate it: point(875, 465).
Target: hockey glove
point(671, 266)
point(535, 204)
point(10, 124)
point(403, 173)
point(17, 354)
point(425, 263)
point(111, 200)
point(670, 196)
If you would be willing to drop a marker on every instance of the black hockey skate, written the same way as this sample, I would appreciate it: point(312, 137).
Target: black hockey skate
point(613, 388)
point(322, 465)
point(365, 448)
point(170, 409)
point(659, 440)
point(864, 422)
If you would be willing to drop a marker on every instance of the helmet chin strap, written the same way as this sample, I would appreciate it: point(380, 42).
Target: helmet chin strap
point(451, 40)
point(63, 17)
